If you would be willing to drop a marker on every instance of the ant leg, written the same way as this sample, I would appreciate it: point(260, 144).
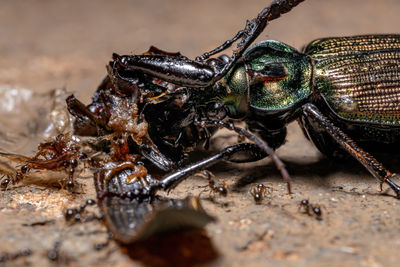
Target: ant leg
point(260, 143)
point(171, 180)
point(311, 112)
point(138, 172)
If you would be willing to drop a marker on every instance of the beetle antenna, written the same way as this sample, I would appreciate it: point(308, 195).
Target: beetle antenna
point(251, 31)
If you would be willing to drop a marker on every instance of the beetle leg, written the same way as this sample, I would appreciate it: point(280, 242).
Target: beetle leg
point(311, 112)
point(138, 172)
point(171, 180)
point(87, 119)
point(260, 143)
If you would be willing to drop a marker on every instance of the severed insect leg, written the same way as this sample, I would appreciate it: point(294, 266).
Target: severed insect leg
point(312, 114)
point(233, 153)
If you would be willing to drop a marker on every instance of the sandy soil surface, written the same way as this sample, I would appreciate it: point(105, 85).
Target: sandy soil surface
point(66, 44)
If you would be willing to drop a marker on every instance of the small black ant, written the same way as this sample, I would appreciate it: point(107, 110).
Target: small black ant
point(76, 215)
point(220, 189)
point(216, 188)
point(311, 210)
point(259, 191)
point(4, 257)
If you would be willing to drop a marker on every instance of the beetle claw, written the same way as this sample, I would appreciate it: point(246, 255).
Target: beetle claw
point(392, 185)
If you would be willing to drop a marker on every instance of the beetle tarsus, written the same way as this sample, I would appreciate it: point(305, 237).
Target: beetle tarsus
point(392, 185)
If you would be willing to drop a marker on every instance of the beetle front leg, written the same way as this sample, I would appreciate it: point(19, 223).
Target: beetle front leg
point(169, 181)
point(311, 112)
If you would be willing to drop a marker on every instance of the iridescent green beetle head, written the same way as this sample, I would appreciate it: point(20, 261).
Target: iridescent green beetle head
point(271, 78)
point(279, 77)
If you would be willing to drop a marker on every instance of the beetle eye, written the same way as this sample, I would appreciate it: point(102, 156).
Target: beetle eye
point(274, 70)
point(272, 73)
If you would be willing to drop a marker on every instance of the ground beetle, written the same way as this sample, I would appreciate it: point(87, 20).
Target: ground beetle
point(341, 90)
point(158, 106)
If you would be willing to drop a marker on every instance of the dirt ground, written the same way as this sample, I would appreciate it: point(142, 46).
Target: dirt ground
point(66, 44)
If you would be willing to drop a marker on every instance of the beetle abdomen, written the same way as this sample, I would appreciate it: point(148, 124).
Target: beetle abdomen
point(359, 76)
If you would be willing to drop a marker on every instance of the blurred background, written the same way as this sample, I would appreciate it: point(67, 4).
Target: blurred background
point(47, 44)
